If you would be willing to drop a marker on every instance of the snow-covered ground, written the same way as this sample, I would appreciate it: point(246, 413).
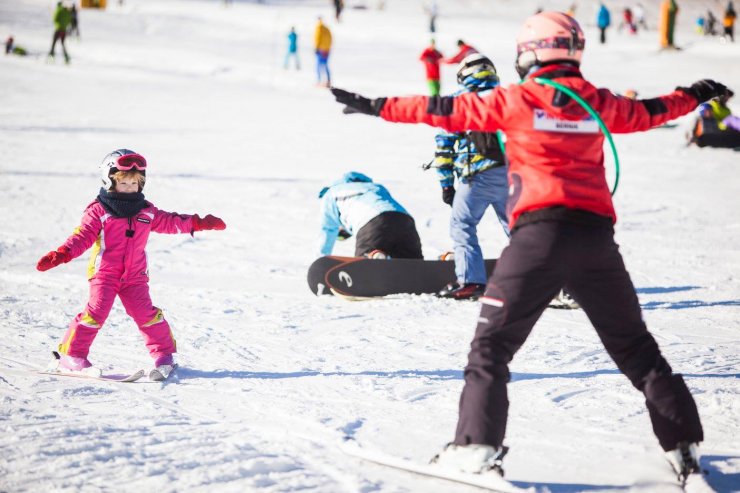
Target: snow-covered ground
point(272, 376)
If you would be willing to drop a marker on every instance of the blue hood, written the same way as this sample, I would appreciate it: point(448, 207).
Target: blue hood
point(349, 177)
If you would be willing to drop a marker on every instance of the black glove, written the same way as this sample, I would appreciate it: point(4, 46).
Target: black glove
point(343, 234)
point(448, 195)
point(354, 103)
point(706, 89)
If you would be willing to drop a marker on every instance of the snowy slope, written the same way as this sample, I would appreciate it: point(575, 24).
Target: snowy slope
point(272, 376)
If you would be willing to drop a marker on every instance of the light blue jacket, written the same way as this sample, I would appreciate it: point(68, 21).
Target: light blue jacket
point(349, 204)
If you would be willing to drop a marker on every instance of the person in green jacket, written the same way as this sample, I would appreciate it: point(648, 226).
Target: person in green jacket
point(62, 18)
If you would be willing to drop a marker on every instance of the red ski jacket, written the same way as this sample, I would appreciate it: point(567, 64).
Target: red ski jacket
point(555, 150)
point(431, 58)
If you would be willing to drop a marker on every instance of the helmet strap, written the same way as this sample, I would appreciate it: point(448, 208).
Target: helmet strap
point(573, 41)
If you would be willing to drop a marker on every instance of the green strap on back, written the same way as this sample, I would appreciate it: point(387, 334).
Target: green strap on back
point(595, 115)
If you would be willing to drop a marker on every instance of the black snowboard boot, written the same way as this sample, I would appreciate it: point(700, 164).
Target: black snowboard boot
point(457, 291)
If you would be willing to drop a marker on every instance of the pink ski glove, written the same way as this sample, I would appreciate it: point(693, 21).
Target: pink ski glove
point(52, 259)
point(208, 222)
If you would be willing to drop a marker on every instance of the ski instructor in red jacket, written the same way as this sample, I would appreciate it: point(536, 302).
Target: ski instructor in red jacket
point(561, 214)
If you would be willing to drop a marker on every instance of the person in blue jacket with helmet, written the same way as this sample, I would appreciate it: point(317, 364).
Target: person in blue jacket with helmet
point(356, 206)
point(477, 160)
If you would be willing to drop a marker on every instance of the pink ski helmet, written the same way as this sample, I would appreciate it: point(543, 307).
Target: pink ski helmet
point(548, 37)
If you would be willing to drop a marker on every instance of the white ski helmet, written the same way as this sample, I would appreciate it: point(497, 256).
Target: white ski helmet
point(475, 63)
point(120, 160)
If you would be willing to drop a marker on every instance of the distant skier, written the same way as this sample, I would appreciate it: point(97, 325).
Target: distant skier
point(62, 18)
point(463, 50)
point(639, 12)
point(355, 206)
point(430, 57)
point(292, 52)
point(715, 126)
point(74, 22)
point(475, 158)
point(561, 215)
point(433, 11)
point(728, 22)
point(338, 7)
point(117, 225)
point(322, 47)
point(668, 13)
point(603, 21)
point(627, 21)
point(710, 24)
point(9, 45)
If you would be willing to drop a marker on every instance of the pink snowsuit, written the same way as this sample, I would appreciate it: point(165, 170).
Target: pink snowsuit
point(118, 266)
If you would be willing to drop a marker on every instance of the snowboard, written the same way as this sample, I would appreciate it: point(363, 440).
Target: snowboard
point(359, 277)
point(488, 481)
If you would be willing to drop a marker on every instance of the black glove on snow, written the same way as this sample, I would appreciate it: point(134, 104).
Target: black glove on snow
point(448, 195)
point(358, 104)
point(706, 89)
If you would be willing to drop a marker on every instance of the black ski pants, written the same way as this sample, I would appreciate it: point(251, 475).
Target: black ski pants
point(59, 36)
point(392, 232)
point(542, 258)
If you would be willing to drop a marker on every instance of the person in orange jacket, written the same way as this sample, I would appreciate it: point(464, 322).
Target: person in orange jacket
point(728, 22)
point(561, 215)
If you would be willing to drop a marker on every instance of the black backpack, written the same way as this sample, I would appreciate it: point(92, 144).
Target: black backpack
point(487, 145)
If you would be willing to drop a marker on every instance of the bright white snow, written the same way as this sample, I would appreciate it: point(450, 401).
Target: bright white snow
point(272, 376)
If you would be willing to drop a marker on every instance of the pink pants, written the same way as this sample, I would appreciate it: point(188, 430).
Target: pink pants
point(138, 304)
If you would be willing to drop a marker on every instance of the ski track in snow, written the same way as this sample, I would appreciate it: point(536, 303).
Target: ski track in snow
point(271, 377)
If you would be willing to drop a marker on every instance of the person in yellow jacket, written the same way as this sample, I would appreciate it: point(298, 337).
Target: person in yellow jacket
point(322, 46)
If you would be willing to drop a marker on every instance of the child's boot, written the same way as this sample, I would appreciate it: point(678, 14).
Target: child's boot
point(164, 365)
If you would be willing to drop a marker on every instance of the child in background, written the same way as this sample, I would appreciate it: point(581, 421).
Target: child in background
point(117, 225)
point(292, 50)
point(431, 57)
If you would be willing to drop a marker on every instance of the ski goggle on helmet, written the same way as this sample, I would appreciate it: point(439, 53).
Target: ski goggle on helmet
point(548, 37)
point(120, 160)
point(475, 65)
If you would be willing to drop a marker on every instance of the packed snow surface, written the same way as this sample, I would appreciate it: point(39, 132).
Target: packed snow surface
point(271, 376)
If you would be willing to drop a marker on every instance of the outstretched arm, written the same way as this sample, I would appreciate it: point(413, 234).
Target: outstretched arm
point(624, 115)
point(330, 225)
point(174, 223)
point(467, 111)
point(82, 239)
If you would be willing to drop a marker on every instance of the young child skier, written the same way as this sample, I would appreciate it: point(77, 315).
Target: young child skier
point(561, 215)
point(117, 225)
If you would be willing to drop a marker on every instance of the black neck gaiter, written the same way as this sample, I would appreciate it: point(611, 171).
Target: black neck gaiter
point(122, 204)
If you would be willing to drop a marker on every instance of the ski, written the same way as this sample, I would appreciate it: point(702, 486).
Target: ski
point(89, 373)
point(489, 481)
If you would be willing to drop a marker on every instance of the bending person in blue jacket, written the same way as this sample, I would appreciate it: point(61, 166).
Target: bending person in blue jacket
point(354, 205)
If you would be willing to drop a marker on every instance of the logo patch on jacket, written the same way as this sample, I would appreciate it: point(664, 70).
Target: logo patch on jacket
point(548, 123)
point(143, 220)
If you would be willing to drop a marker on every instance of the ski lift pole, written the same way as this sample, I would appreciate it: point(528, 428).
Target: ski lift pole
point(595, 115)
